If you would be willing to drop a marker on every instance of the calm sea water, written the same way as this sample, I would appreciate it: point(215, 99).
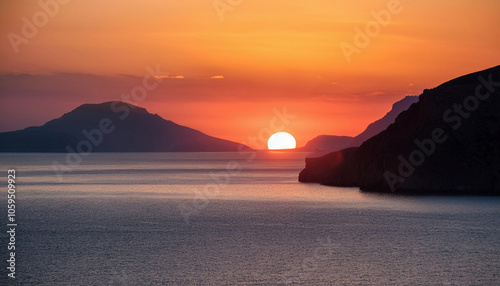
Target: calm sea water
point(231, 219)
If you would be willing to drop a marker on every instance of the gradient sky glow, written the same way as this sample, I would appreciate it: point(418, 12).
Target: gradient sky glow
point(233, 72)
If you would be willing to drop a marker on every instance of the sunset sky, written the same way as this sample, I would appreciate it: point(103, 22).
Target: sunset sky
point(224, 71)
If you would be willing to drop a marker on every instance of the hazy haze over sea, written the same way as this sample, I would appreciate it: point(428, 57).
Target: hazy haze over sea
point(188, 219)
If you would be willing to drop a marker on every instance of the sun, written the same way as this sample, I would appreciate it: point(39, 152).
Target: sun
point(280, 141)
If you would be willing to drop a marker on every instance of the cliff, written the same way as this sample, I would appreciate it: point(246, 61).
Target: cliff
point(446, 143)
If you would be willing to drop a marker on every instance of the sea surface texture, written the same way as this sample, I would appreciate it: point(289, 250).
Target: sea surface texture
point(233, 219)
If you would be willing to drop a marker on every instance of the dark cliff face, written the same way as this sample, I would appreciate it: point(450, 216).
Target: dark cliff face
point(112, 127)
point(447, 143)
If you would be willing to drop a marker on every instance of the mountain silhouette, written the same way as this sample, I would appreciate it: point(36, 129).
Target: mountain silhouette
point(446, 143)
point(326, 143)
point(334, 143)
point(384, 122)
point(112, 127)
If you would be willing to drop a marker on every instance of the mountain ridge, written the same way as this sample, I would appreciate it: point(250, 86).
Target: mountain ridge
point(322, 143)
point(124, 128)
point(381, 124)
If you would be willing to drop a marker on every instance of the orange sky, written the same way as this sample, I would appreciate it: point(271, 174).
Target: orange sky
point(271, 54)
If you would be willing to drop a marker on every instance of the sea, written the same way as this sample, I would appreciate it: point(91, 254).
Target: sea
point(231, 219)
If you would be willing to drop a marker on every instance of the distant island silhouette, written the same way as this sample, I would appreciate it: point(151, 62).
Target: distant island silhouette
point(113, 127)
point(326, 143)
point(446, 143)
point(335, 143)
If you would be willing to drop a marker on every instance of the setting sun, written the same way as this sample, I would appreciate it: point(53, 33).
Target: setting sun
point(281, 140)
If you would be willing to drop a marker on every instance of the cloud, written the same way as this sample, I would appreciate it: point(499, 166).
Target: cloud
point(217, 77)
point(338, 97)
point(170, 76)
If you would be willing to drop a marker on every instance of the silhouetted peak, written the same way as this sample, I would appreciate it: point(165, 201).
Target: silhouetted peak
point(107, 107)
point(116, 127)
